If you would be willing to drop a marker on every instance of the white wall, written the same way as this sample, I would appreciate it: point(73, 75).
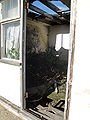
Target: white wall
point(10, 83)
point(55, 30)
point(80, 97)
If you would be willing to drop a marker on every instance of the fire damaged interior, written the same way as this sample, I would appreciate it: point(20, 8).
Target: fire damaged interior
point(47, 47)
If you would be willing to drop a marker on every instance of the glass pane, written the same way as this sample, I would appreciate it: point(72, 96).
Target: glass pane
point(9, 9)
point(0, 12)
point(11, 36)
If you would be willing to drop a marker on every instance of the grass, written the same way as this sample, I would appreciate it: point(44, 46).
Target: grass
point(56, 97)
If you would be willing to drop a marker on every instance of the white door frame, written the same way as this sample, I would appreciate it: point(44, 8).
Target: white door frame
point(70, 61)
point(71, 58)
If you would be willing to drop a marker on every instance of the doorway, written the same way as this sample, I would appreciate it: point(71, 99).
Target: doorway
point(47, 48)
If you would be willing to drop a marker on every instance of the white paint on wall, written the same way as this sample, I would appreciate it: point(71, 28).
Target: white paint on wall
point(55, 31)
point(58, 42)
point(80, 95)
point(57, 35)
point(66, 40)
point(62, 40)
point(10, 83)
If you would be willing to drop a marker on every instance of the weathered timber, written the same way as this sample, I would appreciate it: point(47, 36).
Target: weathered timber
point(51, 6)
point(55, 9)
point(42, 12)
point(38, 10)
point(51, 112)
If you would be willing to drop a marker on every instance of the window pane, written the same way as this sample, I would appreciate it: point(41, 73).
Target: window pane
point(11, 40)
point(0, 12)
point(9, 9)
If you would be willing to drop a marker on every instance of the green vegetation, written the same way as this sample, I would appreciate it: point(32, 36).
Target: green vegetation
point(13, 53)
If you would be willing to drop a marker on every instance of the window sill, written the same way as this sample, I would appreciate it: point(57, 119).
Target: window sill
point(10, 19)
point(11, 61)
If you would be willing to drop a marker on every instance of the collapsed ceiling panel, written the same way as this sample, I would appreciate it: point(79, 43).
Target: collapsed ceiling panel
point(52, 11)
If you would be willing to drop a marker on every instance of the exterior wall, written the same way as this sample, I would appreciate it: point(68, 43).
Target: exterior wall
point(80, 95)
point(10, 83)
point(10, 70)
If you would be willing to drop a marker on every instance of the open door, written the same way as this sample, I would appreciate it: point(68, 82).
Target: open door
point(23, 79)
point(12, 59)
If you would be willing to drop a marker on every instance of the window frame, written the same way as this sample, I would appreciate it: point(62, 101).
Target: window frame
point(12, 18)
point(7, 21)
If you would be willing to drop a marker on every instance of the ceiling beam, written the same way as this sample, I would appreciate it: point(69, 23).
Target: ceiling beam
point(56, 19)
point(38, 10)
point(34, 16)
point(42, 12)
point(51, 6)
point(54, 8)
point(31, 1)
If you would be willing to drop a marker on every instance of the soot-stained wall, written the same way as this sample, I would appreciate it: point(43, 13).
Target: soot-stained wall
point(37, 36)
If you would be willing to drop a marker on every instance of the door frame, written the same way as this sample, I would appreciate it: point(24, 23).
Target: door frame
point(23, 67)
point(70, 60)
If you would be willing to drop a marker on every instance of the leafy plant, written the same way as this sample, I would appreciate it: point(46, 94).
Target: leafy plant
point(13, 53)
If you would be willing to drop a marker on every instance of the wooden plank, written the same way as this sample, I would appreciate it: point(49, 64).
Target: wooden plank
point(71, 57)
point(55, 9)
point(38, 10)
point(55, 19)
point(52, 113)
point(51, 6)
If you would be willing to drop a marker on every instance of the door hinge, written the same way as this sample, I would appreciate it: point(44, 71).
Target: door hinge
point(26, 5)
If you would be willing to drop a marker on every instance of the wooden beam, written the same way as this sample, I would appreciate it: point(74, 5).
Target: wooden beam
point(55, 9)
point(66, 16)
point(38, 10)
point(42, 12)
point(34, 16)
point(31, 1)
point(51, 6)
point(55, 19)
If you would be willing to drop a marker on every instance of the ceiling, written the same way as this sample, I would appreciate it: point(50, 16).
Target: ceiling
point(50, 11)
